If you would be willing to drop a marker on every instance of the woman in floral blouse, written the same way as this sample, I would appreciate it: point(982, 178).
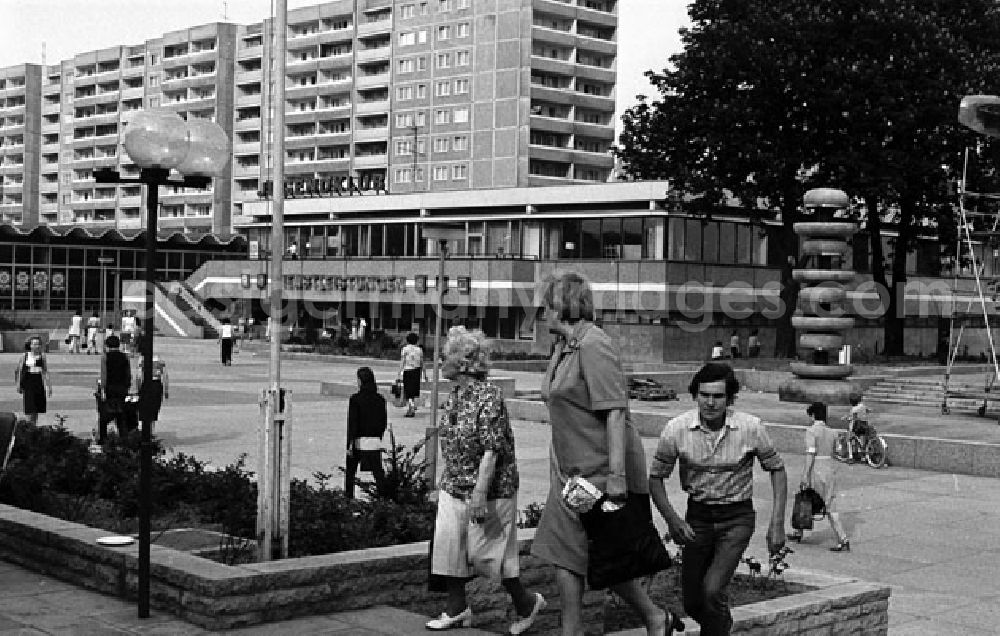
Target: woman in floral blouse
point(476, 531)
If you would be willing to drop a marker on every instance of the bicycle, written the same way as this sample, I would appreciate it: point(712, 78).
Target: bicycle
point(874, 450)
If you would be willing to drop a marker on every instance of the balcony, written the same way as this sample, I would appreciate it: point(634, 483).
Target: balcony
point(554, 36)
point(374, 54)
point(559, 8)
point(598, 131)
point(370, 161)
point(248, 123)
point(248, 100)
point(372, 28)
point(371, 134)
point(558, 66)
point(246, 171)
point(133, 93)
point(250, 53)
point(551, 124)
point(246, 77)
point(50, 109)
point(368, 108)
point(601, 18)
point(372, 81)
point(293, 117)
point(595, 102)
point(337, 61)
point(246, 148)
point(596, 73)
point(602, 159)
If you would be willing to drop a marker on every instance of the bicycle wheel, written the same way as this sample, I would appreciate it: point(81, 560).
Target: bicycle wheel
point(875, 452)
point(842, 448)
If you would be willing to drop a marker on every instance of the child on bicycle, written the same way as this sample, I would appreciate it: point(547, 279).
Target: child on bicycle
point(857, 423)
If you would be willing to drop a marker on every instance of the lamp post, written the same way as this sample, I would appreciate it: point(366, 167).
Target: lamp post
point(199, 149)
point(442, 233)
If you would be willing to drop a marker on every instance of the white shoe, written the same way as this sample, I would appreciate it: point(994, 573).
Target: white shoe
point(447, 622)
point(521, 625)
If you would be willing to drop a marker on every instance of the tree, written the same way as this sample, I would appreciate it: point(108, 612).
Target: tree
point(772, 97)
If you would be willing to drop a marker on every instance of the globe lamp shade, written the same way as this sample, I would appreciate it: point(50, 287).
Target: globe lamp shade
point(208, 149)
point(156, 139)
point(981, 113)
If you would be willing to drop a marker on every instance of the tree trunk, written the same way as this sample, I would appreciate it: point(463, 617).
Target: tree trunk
point(786, 342)
point(895, 317)
point(875, 243)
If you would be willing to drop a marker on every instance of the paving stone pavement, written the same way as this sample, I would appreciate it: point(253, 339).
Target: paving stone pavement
point(933, 536)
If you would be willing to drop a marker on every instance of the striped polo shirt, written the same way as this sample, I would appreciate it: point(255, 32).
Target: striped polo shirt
point(715, 471)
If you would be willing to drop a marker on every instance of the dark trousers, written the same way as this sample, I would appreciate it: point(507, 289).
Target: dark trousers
point(722, 534)
point(227, 350)
point(353, 460)
point(115, 410)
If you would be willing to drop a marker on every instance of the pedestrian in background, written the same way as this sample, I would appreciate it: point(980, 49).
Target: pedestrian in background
point(226, 342)
point(116, 380)
point(753, 344)
point(31, 377)
point(75, 332)
point(366, 424)
point(587, 398)
point(130, 327)
point(159, 389)
point(820, 472)
point(734, 345)
point(93, 326)
point(718, 353)
point(411, 368)
point(715, 447)
point(475, 531)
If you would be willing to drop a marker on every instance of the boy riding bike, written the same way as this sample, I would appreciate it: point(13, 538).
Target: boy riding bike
point(858, 424)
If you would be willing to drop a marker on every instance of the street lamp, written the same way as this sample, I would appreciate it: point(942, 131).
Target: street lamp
point(198, 149)
point(442, 233)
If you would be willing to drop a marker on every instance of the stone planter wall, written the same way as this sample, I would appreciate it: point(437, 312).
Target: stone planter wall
point(217, 596)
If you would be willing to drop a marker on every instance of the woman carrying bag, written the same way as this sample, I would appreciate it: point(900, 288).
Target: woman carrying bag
point(475, 531)
point(411, 367)
point(587, 397)
point(819, 473)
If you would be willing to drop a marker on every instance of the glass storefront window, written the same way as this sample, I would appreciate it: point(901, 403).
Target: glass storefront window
point(710, 242)
point(692, 240)
point(591, 239)
point(395, 239)
point(675, 248)
point(349, 240)
point(744, 243)
point(376, 240)
point(569, 246)
point(631, 239)
point(7, 253)
point(611, 230)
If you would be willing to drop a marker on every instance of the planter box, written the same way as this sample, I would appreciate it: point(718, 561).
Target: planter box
point(217, 596)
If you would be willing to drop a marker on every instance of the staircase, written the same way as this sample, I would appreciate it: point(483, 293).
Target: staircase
point(928, 392)
point(192, 307)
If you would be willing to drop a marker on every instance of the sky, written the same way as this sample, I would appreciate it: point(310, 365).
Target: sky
point(647, 33)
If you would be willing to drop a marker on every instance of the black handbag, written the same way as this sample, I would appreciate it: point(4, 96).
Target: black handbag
point(802, 508)
point(623, 544)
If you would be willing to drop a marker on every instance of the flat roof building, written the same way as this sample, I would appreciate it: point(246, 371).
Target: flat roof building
point(399, 96)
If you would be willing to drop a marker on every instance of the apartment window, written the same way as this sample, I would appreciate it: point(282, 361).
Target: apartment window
point(460, 172)
point(441, 144)
point(463, 30)
point(407, 39)
point(406, 11)
point(444, 33)
point(461, 86)
point(418, 174)
point(462, 58)
point(405, 66)
point(404, 148)
point(404, 93)
point(154, 102)
point(420, 119)
point(444, 60)
point(442, 89)
point(421, 63)
point(442, 117)
point(421, 91)
point(463, 4)
point(460, 143)
point(440, 173)
point(422, 36)
point(421, 146)
point(461, 115)
point(154, 80)
point(445, 5)
point(404, 175)
point(404, 120)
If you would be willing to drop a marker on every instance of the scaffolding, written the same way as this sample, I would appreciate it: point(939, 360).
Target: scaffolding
point(964, 237)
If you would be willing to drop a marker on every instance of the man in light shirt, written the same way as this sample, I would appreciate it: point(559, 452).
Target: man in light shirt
point(715, 447)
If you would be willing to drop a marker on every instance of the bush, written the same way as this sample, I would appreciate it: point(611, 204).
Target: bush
point(53, 472)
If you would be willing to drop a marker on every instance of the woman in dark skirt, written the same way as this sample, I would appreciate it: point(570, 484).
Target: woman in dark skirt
point(32, 380)
point(366, 424)
point(411, 367)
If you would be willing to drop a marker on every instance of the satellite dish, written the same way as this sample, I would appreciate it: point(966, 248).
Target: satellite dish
point(981, 113)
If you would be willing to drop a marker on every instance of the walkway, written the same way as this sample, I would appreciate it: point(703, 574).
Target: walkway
point(934, 537)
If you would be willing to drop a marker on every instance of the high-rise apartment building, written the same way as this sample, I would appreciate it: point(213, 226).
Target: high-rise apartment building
point(401, 95)
point(20, 92)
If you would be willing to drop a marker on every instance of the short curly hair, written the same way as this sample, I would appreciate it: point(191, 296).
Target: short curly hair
point(714, 372)
point(468, 350)
point(412, 338)
point(569, 293)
